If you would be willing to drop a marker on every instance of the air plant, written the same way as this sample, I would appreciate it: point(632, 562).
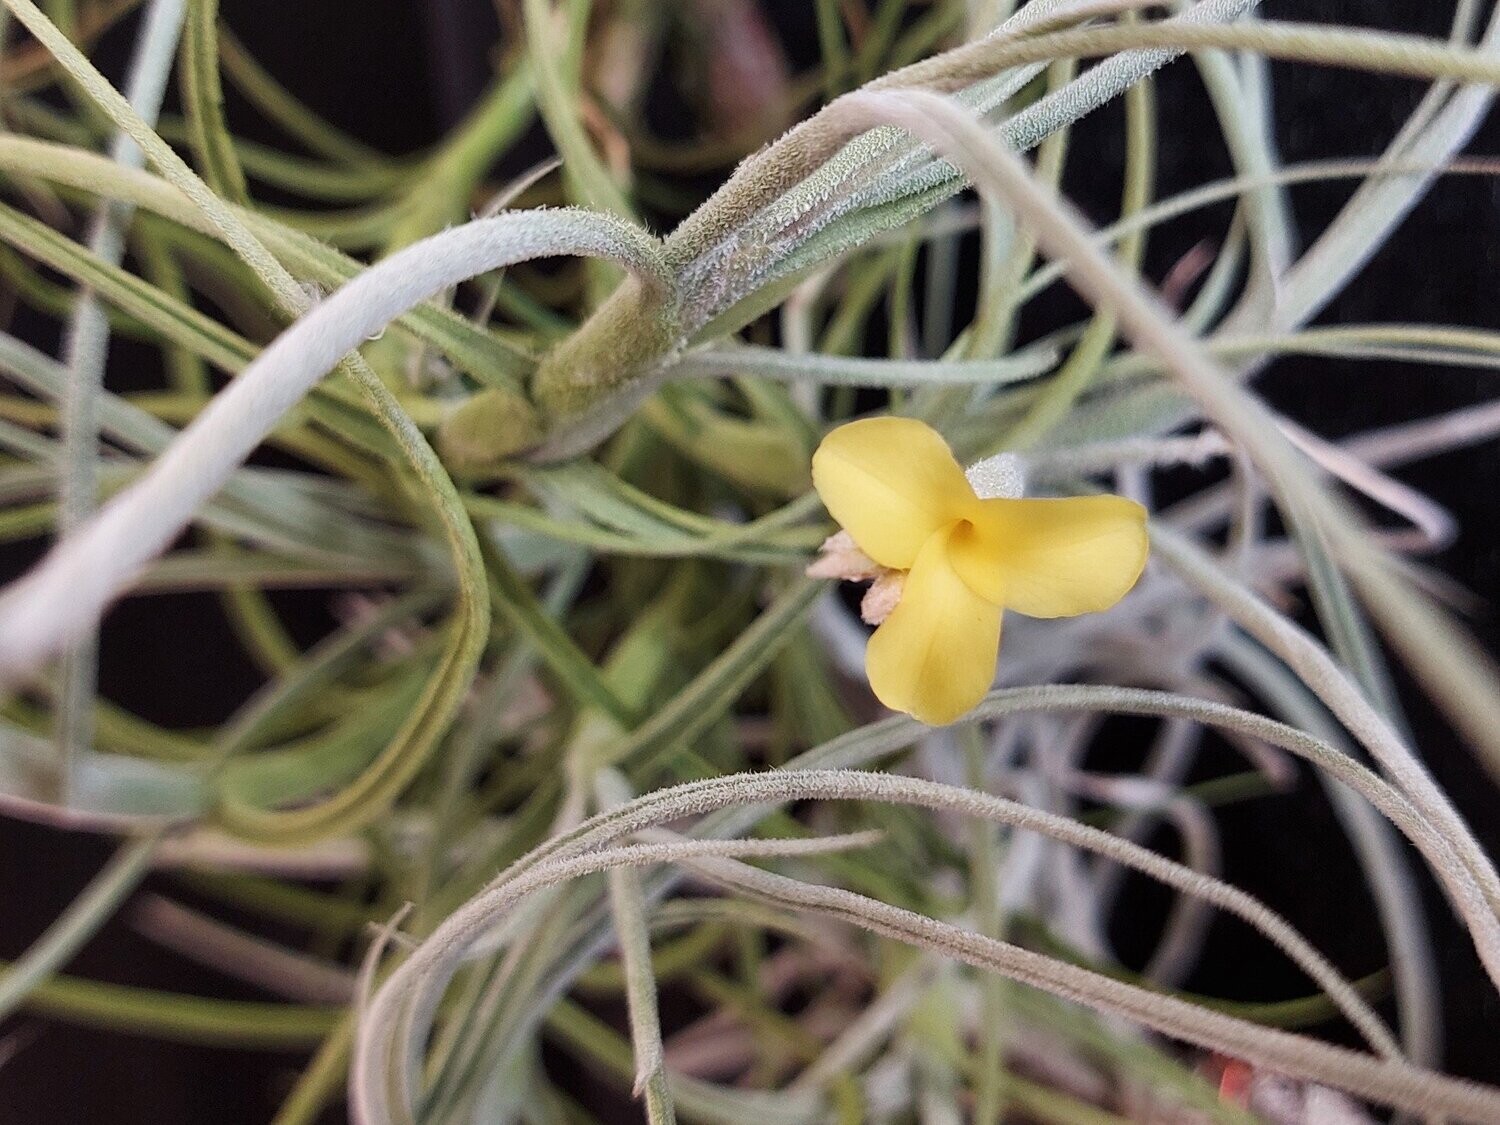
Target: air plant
point(595, 726)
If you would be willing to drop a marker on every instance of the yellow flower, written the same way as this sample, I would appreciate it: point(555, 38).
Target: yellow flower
point(894, 486)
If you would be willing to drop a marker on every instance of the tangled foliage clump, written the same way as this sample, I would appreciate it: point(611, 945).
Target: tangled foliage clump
point(587, 735)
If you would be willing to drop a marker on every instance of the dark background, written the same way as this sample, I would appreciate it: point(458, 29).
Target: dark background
point(396, 73)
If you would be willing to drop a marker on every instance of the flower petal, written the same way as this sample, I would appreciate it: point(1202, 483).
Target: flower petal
point(891, 483)
point(934, 657)
point(1052, 558)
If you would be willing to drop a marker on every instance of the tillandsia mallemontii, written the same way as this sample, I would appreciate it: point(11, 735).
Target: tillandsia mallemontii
point(947, 563)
